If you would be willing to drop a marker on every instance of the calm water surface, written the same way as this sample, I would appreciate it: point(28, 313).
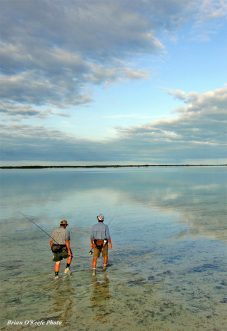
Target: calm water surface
point(168, 266)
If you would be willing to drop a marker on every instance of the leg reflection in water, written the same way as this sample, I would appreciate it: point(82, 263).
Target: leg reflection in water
point(100, 297)
point(62, 296)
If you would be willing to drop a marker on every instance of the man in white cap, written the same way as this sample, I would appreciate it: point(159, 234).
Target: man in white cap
point(60, 246)
point(100, 240)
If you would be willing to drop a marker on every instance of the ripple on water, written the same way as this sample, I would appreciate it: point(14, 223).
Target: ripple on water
point(205, 267)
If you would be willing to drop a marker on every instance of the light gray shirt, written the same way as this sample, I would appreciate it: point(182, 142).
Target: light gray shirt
point(60, 235)
point(100, 231)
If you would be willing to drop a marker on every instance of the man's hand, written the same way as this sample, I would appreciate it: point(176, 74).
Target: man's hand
point(70, 254)
point(111, 246)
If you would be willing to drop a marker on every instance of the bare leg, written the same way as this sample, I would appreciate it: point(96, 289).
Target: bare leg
point(105, 262)
point(67, 268)
point(57, 268)
point(94, 264)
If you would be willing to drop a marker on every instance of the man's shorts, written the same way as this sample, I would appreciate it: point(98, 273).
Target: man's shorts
point(62, 254)
point(99, 249)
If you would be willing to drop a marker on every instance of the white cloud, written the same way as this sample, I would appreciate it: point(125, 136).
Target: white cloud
point(189, 138)
point(51, 51)
point(212, 9)
point(210, 102)
point(21, 111)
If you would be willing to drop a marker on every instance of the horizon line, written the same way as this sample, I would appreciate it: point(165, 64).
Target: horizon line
point(111, 166)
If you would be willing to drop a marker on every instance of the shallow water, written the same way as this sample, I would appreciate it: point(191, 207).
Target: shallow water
point(168, 266)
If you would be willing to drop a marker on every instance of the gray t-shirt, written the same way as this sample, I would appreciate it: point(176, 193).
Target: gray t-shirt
point(60, 235)
point(100, 231)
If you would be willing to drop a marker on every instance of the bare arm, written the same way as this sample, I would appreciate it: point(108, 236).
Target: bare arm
point(67, 243)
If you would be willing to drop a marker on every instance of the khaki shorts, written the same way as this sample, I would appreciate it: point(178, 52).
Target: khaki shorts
point(99, 250)
point(62, 254)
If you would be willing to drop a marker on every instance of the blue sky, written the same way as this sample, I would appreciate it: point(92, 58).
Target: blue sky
point(113, 81)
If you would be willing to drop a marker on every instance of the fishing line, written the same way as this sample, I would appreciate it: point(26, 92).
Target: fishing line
point(113, 218)
point(33, 222)
point(111, 221)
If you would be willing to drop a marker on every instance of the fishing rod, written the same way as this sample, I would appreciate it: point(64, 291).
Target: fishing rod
point(111, 220)
point(38, 226)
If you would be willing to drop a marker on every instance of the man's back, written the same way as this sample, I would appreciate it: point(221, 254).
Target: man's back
point(60, 235)
point(100, 231)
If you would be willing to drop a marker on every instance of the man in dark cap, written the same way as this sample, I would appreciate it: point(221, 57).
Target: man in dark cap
point(60, 246)
point(100, 239)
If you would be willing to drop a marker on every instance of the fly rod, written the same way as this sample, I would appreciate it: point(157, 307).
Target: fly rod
point(38, 226)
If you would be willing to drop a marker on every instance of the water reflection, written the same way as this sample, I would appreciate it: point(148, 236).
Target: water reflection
point(197, 195)
point(62, 300)
point(99, 296)
point(161, 275)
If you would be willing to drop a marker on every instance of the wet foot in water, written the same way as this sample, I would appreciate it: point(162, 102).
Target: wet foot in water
point(67, 271)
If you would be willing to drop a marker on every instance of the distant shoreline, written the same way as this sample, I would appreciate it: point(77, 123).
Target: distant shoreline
point(109, 166)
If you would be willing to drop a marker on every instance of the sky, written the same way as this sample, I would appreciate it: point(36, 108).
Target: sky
point(126, 81)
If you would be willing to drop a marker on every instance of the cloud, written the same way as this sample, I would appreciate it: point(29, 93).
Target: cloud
point(212, 10)
point(209, 18)
point(21, 111)
point(197, 133)
point(37, 143)
point(51, 52)
point(211, 103)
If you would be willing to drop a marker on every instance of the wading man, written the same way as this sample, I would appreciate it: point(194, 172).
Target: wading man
point(100, 239)
point(60, 246)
